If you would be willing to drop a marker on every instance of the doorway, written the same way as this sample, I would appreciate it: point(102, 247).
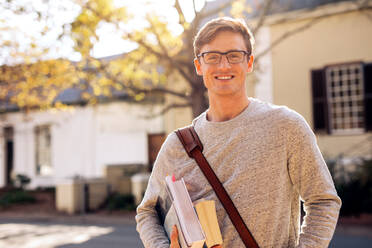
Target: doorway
point(154, 141)
point(9, 154)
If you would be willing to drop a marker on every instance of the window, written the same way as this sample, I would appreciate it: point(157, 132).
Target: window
point(342, 98)
point(43, 150)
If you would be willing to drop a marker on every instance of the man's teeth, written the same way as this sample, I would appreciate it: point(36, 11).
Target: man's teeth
point(224, 77)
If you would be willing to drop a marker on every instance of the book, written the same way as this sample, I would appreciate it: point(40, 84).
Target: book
point(183, 215)
point(206, 211)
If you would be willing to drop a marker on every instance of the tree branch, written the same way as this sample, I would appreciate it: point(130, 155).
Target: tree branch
point(367, 14)
point(164, 56)
point(194, 7)
point(360, 6)
point(167, 108)
point(214, 11)
point(304, 27)
point(162, 46)
point(363, 6)
point(159, 90)
point(181, 16)
point(178, 64)
point(141, 90)
point(286, 35)
point(266, 8)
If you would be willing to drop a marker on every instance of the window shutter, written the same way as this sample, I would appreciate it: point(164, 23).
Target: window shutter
point(319, 95)
point(368, 95)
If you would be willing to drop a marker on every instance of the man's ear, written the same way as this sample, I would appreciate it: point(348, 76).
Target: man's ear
point(198, 67)
point(250, 63)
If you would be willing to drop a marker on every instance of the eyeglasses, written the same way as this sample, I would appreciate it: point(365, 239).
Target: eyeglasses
point(234, 57)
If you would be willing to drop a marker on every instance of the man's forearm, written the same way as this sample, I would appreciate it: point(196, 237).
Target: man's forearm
point(319, 222)
point(151, 232)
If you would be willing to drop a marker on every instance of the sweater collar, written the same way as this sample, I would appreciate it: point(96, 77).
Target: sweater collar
point(203, 122)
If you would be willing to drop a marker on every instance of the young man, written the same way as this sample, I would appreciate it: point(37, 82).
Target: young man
point(266, 156)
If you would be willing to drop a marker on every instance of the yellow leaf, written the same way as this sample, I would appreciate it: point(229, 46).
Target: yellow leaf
point(139, 97)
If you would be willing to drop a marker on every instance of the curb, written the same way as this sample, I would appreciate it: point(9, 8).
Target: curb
point(90, 218)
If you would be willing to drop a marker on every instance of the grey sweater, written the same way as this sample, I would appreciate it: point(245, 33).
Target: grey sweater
point(267, 159)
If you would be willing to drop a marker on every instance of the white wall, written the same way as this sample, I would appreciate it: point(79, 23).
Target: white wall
point(121, 134)
point(72, 144)
point(121, 148)
point(83, 141)
point(263, 67)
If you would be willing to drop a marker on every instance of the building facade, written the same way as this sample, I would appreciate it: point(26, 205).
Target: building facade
point(51, 146)
point(322, 68)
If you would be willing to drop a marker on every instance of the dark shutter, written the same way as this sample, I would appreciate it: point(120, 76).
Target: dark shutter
point(368, 95)
point(319, 95)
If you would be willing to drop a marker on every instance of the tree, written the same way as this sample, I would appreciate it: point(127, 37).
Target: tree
point(160, 53)
point(157, 45)
point(32, 73)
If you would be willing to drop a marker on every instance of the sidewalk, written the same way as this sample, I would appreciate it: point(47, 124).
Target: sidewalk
point(47, 230)
point(352, 235)
point(44, 211)
point(360, 227)
point(102, 217)
point(117, 229)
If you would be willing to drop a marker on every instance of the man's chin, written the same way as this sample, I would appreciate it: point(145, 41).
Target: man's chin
point(224, 92)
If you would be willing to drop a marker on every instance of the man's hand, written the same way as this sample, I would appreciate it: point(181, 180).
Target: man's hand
point(174, 238)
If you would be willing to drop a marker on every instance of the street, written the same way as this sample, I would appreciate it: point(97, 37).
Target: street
point(114, 232)
point(68, 232)
point(352, 236)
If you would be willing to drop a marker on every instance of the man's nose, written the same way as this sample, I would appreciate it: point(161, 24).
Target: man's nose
point(224, 62)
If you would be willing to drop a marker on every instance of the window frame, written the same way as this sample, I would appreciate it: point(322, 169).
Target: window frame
point(48, 149)
point(320, 100)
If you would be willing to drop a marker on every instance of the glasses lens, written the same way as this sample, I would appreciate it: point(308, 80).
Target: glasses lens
point(212, 58)
point(235, 57)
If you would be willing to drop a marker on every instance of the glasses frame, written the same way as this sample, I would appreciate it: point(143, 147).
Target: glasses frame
point(226, 53)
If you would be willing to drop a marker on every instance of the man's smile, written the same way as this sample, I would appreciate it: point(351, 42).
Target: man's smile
point(224, 77)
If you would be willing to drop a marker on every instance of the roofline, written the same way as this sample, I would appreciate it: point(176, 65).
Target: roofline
point(82, 103)
point(316, 12)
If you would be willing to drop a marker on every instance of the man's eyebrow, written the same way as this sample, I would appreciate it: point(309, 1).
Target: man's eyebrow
point(215, 51)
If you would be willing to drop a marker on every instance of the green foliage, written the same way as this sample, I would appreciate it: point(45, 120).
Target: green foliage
point(16, 197)
point(22, 180)
point(121, 202)
point(356, 191)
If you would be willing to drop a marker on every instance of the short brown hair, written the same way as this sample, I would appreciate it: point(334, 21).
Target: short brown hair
point(209, 31)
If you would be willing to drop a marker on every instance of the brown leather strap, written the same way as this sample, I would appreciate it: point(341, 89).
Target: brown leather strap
point(194, 148)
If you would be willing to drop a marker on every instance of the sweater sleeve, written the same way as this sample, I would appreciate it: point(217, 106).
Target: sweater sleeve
point(311, 178)
point(149, 226)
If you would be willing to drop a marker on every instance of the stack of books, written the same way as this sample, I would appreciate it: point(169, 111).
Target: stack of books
point(196, 226)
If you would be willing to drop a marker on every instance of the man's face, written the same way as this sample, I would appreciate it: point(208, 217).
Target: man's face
point(224, 79)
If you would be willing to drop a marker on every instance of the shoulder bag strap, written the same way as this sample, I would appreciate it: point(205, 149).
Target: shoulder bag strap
point(194, 148)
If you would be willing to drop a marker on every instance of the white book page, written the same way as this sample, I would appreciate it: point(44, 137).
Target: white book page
point(184, 208)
